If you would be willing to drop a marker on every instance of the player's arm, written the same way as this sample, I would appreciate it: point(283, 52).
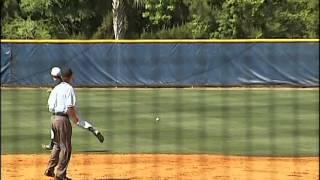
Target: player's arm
point(71, 103)
point(52, 101)
point(72, 113)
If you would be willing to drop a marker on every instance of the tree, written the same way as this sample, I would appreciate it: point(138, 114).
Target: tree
point(159, 13)
point(202, 21)
point(241, 19)
point(59, 18)
point(118, 19)
point(85, 19)
point(312, 18)
point(20, 28)
point(9, 9)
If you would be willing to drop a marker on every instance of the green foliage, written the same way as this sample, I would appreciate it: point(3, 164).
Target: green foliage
point(64, 18)
point(241, 19)
point(135, 20)
point(69, 17)
point(199, 27)
point(159, 13)
point(290, 21)
point(312, 18)
point(105, 29)
point(87, 19)
point(19, 28)
point(177, 32)
point(9, 9)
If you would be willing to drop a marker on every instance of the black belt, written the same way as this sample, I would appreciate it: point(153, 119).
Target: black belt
point(60, 114)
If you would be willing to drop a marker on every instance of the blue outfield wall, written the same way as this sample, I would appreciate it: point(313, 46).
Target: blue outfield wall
point(163, 64)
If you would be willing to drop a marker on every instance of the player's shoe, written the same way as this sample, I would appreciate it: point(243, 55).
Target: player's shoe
point(65, 178)
point(49, 173)
point(97, 134)
point(46, 147)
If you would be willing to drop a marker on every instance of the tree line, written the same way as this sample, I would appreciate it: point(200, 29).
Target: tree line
point(159, 19)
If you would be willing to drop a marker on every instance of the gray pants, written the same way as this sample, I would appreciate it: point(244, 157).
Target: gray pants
point(61, 152)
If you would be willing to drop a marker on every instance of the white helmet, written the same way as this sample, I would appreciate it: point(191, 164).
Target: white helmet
point(56, 72)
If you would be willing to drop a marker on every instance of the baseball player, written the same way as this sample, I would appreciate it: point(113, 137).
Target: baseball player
point(62, 101)
point(56, 76)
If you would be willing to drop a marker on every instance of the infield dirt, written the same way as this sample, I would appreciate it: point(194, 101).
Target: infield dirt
point(164, 166)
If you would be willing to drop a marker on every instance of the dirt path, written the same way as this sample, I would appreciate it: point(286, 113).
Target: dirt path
point(148, 166)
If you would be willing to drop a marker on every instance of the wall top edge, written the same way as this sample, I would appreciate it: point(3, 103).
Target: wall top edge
point(126, 41)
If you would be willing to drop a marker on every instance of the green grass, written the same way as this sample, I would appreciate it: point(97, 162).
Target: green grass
point(242, 122)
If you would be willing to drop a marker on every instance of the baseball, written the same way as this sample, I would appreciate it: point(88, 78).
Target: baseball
point(157, 119)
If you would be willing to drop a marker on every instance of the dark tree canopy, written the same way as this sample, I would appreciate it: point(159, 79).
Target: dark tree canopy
point(159, 19)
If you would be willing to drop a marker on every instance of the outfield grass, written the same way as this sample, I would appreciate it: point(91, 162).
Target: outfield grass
point(237, 122)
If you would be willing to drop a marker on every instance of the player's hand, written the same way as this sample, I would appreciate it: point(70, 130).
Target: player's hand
point(77, 121)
